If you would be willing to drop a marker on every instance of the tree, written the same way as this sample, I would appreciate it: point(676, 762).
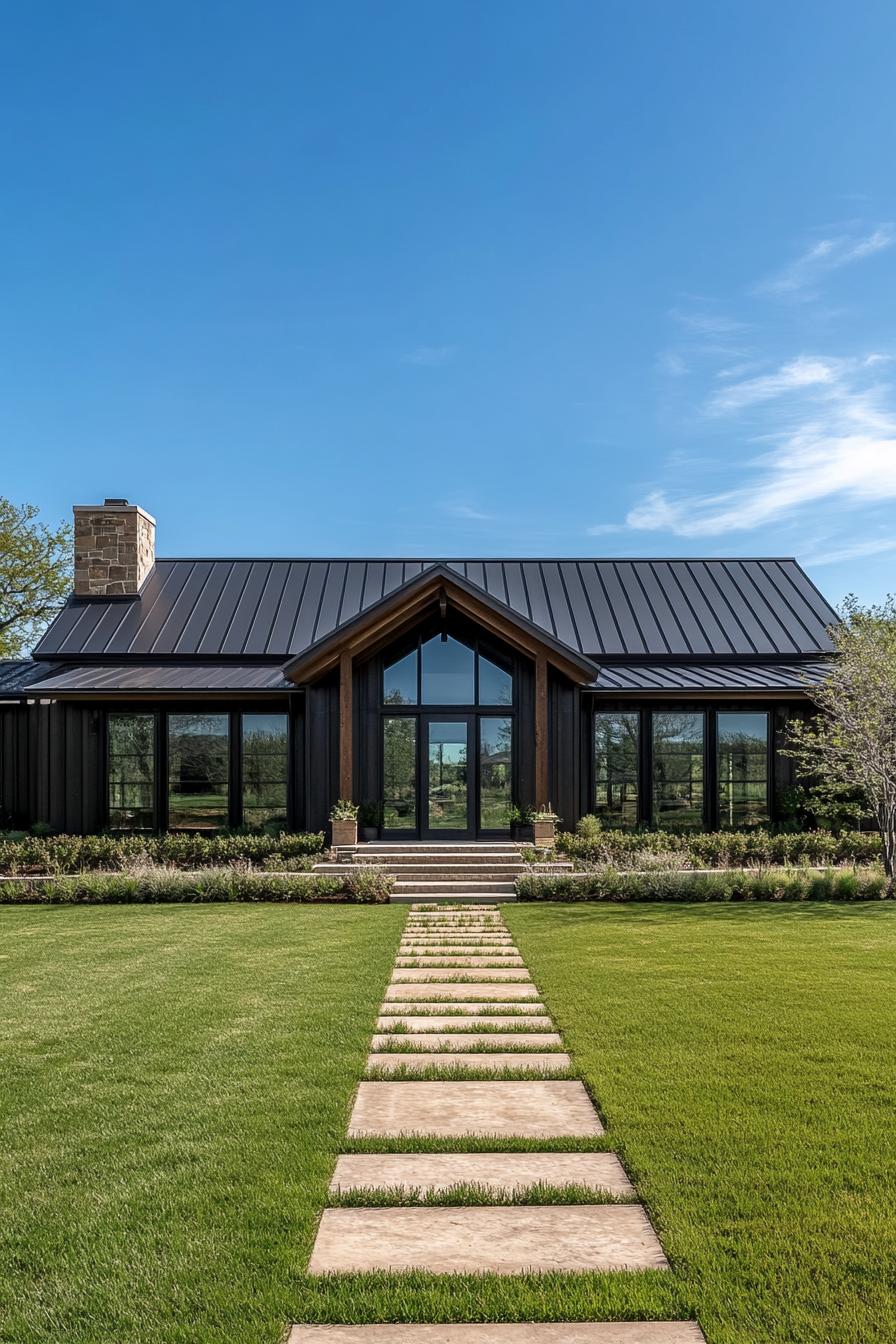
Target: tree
point(35, 575)
point(848, 750)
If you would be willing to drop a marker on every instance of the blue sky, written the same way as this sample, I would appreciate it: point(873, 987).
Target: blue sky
point(451, 278)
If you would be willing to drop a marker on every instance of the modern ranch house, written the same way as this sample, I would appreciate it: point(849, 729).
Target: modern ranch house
point(441, 695)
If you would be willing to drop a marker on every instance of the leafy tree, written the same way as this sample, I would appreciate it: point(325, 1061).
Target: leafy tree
point(35, 575)
point(847, 753)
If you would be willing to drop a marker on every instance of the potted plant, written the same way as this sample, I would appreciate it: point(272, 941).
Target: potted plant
point(344, 822)
point(544, 821)
point(370, 819)
point(521, 822)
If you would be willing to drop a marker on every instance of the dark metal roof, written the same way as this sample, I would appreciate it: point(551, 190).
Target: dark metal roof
point(621, 678)
point(18, 673)
point(599, 608)
point(165, 677)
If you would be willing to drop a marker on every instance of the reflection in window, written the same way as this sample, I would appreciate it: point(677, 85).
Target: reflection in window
point(495, 773)
point(495, 685)
point(400, 774)
point(678, 770)
point(265, 768)
point(743, 769)
point(131, 772)
point(447, 672)
point(400, 681)
point(448, 782)
point(198, 762)
point(616, 756)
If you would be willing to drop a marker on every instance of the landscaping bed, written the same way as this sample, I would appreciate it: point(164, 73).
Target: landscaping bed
point(782, 884)
point(156, 884)
point(55, 854)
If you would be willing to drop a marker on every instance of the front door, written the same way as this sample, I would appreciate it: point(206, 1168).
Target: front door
point(447, 777)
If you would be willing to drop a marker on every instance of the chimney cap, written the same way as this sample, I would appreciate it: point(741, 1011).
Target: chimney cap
point(114, 501)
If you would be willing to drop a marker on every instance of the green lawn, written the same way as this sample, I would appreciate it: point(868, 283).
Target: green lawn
point(175, 1086)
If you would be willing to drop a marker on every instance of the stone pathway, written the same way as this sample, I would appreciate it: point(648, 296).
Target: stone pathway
point(461, 1004)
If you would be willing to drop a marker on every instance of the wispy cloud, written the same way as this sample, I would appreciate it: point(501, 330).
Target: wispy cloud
point(706, 322)
point(806, 371)
point(840, 445)
point(469, 512)
point(429, 356)
point(854, 551)
point(828, 254)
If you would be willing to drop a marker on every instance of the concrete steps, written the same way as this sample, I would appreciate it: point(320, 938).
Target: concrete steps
point(436, 872)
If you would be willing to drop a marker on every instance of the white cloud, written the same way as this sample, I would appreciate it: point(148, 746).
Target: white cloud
point(671, 363)
point(428, 356)
point(604, 529)
point(801, 373)
point(851, 551)
point(467, 511)
point(828, 254)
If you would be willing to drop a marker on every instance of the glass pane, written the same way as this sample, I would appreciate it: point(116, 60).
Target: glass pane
point(495, 773)
point(743, 769)
point(678, 770)
point(400, 681)
point(447, 672)
point(400, 774)
point(448, 777)
point(198, 768)
point(265, 768)
point(131, 771)
point(495, 685)
point(616, 760)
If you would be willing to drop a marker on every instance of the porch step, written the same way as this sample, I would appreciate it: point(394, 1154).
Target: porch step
point(421, 872)
point(445, 898)
point(446, 888)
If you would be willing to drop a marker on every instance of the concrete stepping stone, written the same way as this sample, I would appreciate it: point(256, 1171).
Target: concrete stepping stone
point(535, 1110)
point(396, 1061)
point(424, 973)
point(515, 1239)
point(461, 1040)
point(444, 991)
point(460, 1022)
point(555, 1332)
point(501, 1172)
point(446, 961)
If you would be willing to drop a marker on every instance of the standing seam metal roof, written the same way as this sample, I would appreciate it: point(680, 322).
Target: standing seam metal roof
point(666, 608)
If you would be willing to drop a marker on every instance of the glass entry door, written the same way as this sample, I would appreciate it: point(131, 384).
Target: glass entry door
point(447, 778)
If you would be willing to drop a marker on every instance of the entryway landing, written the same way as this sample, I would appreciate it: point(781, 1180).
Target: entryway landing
point(440, 872)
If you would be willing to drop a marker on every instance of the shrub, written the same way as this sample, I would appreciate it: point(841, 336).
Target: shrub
point(158, 885)
point(794, 884)
point(588, 827)
point(369, 883)
point(722, 849)
point(85, 853)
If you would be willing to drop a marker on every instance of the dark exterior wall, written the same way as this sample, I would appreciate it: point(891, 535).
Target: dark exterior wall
point(51, 766)
point(321, 752)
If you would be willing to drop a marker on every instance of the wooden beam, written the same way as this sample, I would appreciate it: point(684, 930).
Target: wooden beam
point(542, 783)
point(346, 770)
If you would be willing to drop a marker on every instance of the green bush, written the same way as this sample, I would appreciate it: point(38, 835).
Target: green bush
point(87, 853)
point(722, 849)
point(794, 884)
point(159, 885)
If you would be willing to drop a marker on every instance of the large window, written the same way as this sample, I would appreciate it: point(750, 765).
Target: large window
point(198, 771)
point(444, 671)
point(616, 767)
point(131, 772)
point(678, 770)
point(743, 769)
point(400, 773)
point(265, 742)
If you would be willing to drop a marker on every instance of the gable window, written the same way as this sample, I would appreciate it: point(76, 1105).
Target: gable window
point(616, 762)
point(265, 757)
point(198, 771)
point(131, 772)
point(743, 769)
point(445, 671)
point(678, 770)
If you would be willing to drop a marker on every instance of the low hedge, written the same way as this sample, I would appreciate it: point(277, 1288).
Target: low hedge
point(111, 853)
point(793, 884)
point(167, 885)
point(724, 849)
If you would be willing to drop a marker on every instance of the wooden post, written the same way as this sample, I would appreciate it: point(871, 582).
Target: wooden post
point(542, 784)
point(345, 725)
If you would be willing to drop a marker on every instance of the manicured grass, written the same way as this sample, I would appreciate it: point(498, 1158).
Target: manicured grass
point(743, 1058)
point(176, 1084)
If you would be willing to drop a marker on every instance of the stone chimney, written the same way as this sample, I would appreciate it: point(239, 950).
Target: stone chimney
point(115, 548)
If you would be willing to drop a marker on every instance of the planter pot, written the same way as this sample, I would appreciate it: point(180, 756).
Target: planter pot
point(523, 833)
point(345, 832)
point(543, 832)
point(369, 833)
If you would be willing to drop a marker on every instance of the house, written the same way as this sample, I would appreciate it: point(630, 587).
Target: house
point(438, 693)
